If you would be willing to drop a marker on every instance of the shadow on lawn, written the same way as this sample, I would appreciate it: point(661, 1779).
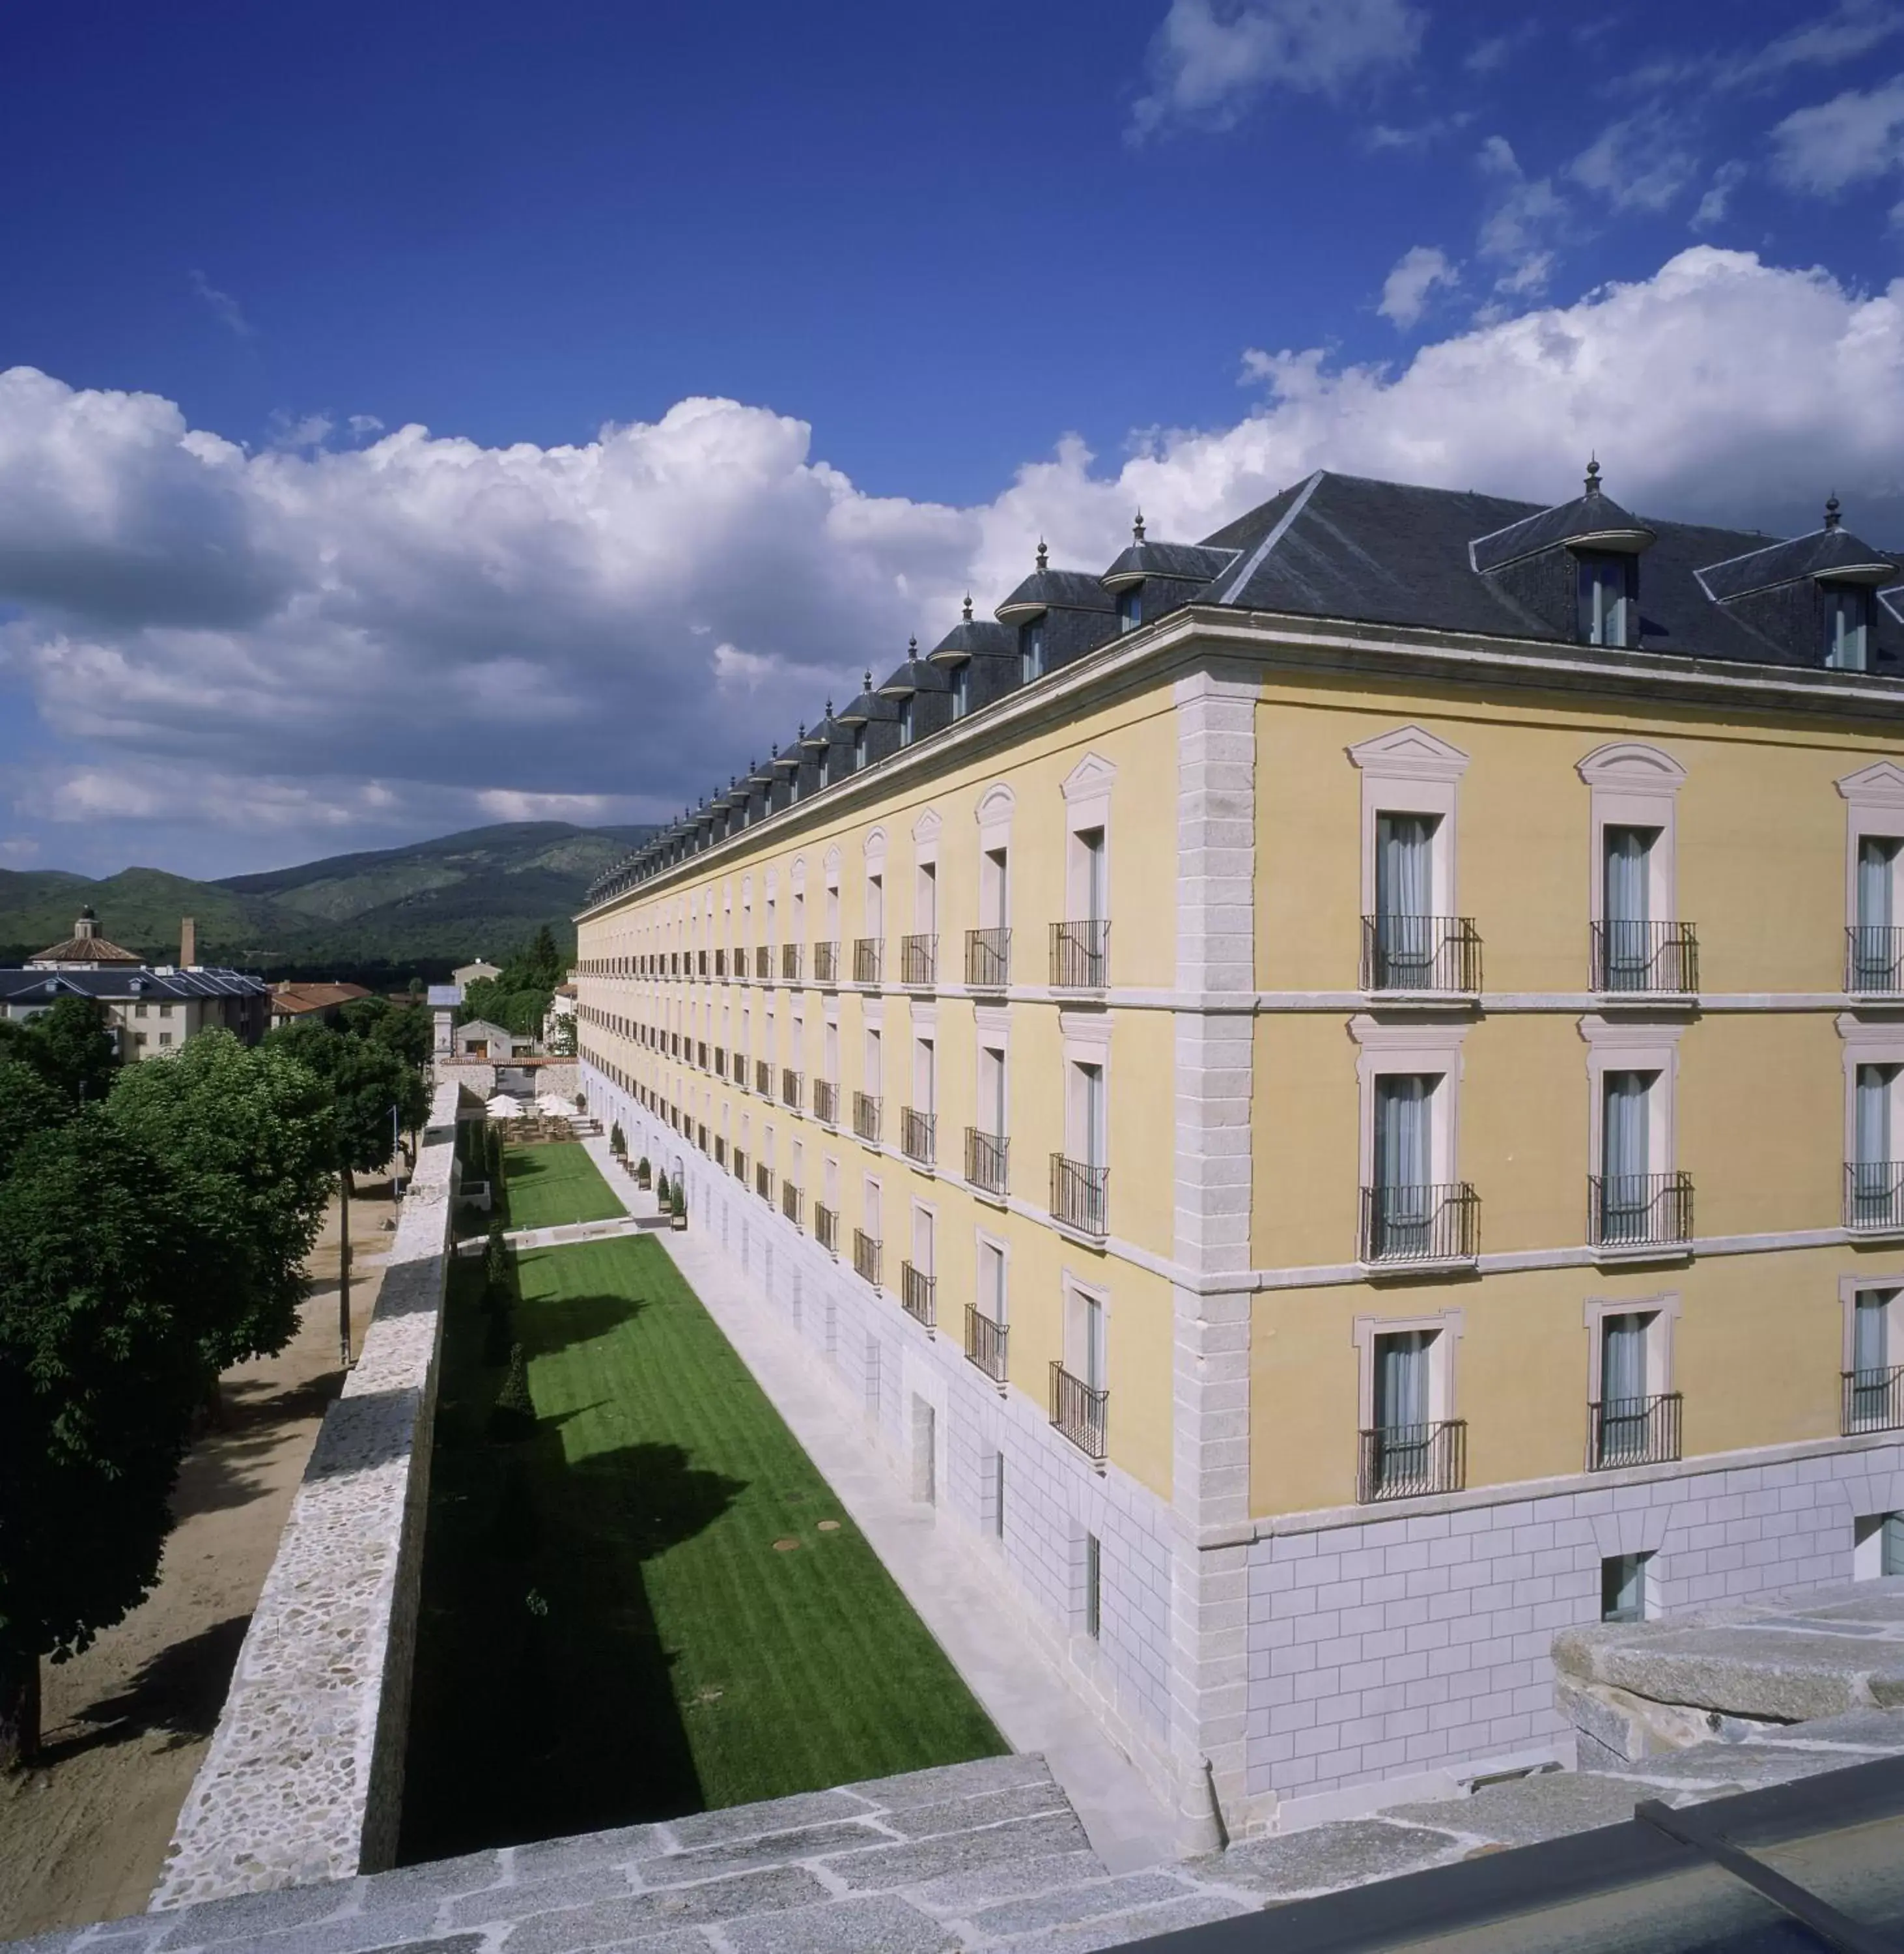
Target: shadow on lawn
point(543, 1704)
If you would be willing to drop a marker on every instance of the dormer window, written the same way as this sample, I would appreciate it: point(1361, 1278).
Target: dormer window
point(1031, 648)
point(859, 747)
point(825, 766)
point(1847, 612)
point(1130, 607)
point(1607, 598)
point(905, 719)
point(961, 688)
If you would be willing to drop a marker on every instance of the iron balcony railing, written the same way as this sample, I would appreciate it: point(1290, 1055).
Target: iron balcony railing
point(1645, 956)
point(1633, 1431)
point(919, 960)
point(704, 963)
point(720, 963)
point(1875, 1196)
point(826, 1102)
point(988, 959)
point(763, 961)
point(1399, 1462)
point(866, 1116)
point(1874, 1400)
point(1080, 952)
point(866, 959)
point(1077, 1411)
point(826, 1227)
point(866, 1257)
point(740, 1166)
point(1418, 953)
point(987, 1160)
point(918, 1135)
point(720, 1059)
point(1639, 1211)
point(1077, 1195)
point(1874, 958)
point(740, 1069)
point(790, 963)
point(703, 1044)
point(826, 963)
point(790, 1201)
point(764, 1078)
point(985, 1343)
point(917, 1291)
point(790, 1087)
point(720, 1147)
point(1429, 1224)
point(764, 1184)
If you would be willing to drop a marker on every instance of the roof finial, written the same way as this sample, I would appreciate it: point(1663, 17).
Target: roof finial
point(868, 685)
point(1137, 529)
point(968, 606)
point(1593, 475)
point(912, 649)
point(829, 708)
point(803, 728)
point(1831, 512)
point(1041, 552)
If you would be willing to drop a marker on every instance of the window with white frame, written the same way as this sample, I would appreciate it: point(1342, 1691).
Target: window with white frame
point(990, 1298)
point(1847, 612)
point(1637, 1198)
point(875, 906)
point(1874, 1053)
point(1086, 1337)
point(1085, 1127)
point(1873, 799)
point(991, 1107)
point(925, 898)
point(994, 888)
point(924, 1225)
point(1873, 1361)
point(1639, 942)
point(872, 1056)
point(925, 1076)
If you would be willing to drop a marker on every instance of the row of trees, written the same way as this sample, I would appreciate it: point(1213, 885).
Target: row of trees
point(155, 1222)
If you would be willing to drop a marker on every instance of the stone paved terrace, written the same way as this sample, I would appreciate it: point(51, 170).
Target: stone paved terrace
point(982, 1858)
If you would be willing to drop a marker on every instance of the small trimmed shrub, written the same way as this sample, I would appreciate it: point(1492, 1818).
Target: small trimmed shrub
point(661, 1187)
point(678, 1203)
point(495, 1265)
point(499, 1333)
point(512, 1416)
point(643, 1173)
point(617, 1141)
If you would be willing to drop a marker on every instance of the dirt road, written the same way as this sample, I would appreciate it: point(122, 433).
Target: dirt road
point(82, 1835)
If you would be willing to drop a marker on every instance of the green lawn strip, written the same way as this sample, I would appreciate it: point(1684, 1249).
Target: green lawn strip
point(682, 1662)
point(546, 1186)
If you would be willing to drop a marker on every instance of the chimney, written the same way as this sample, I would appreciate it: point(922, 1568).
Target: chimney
point(188, 943)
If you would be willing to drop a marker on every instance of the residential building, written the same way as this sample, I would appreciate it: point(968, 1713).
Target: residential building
point(443, 1001)
point(315, 1004)
point(481, 1039)
point(1334, 1094)
point(472, 973)
point(149, 1009)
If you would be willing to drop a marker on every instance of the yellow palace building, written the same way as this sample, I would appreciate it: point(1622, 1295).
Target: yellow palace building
point(1333, 1097)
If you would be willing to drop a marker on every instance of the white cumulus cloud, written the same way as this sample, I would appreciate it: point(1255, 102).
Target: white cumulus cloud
point(1210, 60)
point(324, 648)
point(1406, 289)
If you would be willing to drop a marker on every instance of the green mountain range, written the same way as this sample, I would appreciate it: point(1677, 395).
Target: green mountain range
point(478, 894)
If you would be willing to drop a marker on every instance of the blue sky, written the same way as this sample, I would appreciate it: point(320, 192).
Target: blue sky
point(950, 278)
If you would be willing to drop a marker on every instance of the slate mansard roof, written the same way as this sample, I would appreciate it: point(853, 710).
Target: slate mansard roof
point(1348, 549)
point(118, 984)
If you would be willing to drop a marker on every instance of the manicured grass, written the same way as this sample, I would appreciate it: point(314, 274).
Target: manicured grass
point(609, 1632)
point(544, 1186)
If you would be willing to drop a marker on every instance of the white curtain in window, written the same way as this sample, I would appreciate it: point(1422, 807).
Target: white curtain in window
point(1876, 959)
point(1628, 893)
point(1401, 1379)
point(1402, 1152)
point(1625, 1137)
point(1873, 1120)
point(1404, 865)
point(1871, 1332)
point(1622, 1359)
point(1094, 1352)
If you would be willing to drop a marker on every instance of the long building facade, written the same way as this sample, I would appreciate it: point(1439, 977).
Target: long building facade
point(1330, 1096)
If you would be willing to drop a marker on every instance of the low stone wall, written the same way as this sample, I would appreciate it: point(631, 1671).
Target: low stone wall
point(303, 1780)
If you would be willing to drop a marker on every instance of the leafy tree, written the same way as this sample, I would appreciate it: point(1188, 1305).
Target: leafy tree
point(248, 1134)
point(371, 1091)
point(28, 1105)
point(513, 1413)
point(517, 997)
point(69, 1046)
point(405, 1029)
point(103, 1331)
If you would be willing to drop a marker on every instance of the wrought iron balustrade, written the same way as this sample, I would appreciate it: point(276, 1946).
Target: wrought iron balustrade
point(867, 954)
point(826, 1227)
point(1437, 1223)
point(985, 1342)
point(866, 1116)
point(1874, 1400)
point(1875, 1196)
point(826, 1102)
point(1633, 1431)
point(1078, 1195)
point(1653, 957)
point(790, 963)
point(764, 1184)
point(790, 1087)
point(1400, 1462)
point(1079, 955)
point(1874, 958)
point(987, 1160)
point(764, 1078)
point(1639, 1211)
point(825, 962)
point(866, 1257)
point(1078, 1411)
point(1420, 953)
point(763, 961)
point(988, 959)
point(918, 1133)
point(790, 1201)
point(919, 960)
point(917, 1293)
